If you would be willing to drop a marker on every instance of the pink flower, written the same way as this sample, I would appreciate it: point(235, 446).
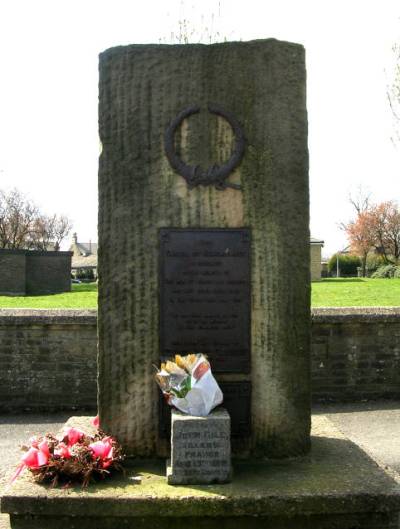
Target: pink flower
point(95, 421)
point(44, 448)
point(34, 441)
point(103, 450)
point(34, 458)
point(74, 435)
point(62, 451)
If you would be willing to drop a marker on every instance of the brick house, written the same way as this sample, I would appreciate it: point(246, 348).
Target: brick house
point(84, 256)
point(315, 260)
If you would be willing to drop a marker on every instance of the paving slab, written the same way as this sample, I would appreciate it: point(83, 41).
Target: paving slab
point(15, 430)
point(373, 426)
point(336, 485)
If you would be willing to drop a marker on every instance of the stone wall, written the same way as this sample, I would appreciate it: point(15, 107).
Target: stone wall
point(12, 272)
point(48, 272)
point(48, 358)
point(33, 272)
point(355, 353)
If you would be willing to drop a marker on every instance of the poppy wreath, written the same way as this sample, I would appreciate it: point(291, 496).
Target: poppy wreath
point(73, 456)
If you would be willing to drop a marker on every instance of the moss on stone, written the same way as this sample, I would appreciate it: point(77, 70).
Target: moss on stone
point(336, 478)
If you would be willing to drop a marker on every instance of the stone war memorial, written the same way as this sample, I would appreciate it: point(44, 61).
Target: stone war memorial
point(204, 247)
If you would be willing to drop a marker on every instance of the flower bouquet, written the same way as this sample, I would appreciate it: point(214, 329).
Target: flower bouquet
point(188, 384)
point(72, 456)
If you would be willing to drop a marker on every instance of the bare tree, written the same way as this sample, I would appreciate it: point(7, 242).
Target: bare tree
point(22, 225)
point(361, 201)
point(393, 92)
point(41, 234)
point(17, 215)
point(197, 27)
point(62, 226)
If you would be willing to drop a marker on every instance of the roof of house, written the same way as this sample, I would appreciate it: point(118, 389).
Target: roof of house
point(86, 248)
point(84, 253)
point(80, 261)
point(316, 241)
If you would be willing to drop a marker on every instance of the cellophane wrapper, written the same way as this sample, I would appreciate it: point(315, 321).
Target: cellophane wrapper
point(188, 384)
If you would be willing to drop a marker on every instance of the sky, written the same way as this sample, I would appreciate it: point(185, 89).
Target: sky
point(49, 144)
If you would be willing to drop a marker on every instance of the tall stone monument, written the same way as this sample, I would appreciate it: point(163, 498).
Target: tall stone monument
point(204, 239)
point(214, 259)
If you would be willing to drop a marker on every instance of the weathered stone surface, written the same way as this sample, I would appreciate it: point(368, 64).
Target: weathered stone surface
point(142, 88)
point(335, 486)
point(200, 448)
point(339, 521)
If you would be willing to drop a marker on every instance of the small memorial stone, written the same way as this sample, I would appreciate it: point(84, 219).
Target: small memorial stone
point(200, 449)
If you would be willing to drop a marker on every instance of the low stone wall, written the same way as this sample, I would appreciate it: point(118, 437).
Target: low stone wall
point(48, 357)
point(355, 353)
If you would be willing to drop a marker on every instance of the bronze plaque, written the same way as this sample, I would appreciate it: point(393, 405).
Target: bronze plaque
point(205, 295)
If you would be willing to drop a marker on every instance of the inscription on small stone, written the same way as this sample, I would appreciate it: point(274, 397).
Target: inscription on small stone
point(237, 401)
point(205, 295)
point(200, 449)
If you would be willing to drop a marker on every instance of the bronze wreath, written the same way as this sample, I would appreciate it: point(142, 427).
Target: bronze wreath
point(215, 175)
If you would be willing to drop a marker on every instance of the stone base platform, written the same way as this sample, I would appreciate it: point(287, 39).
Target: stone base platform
point(336, 486)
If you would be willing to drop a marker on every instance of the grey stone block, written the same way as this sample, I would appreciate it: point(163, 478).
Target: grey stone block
point(200, 448)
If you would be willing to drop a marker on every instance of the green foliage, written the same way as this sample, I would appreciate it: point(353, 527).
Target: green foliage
point(386, 271)
point(184, 388)
point(86, 274)
point(374, 261)
point(348, 264)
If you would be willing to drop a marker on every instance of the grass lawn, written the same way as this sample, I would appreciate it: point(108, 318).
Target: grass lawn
point(351, 292)
point(82, 296)
point(356, 292)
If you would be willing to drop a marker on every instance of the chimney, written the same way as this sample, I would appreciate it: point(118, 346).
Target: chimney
point(75, 238)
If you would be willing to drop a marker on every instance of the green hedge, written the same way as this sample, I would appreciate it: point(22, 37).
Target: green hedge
point(348, 264)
